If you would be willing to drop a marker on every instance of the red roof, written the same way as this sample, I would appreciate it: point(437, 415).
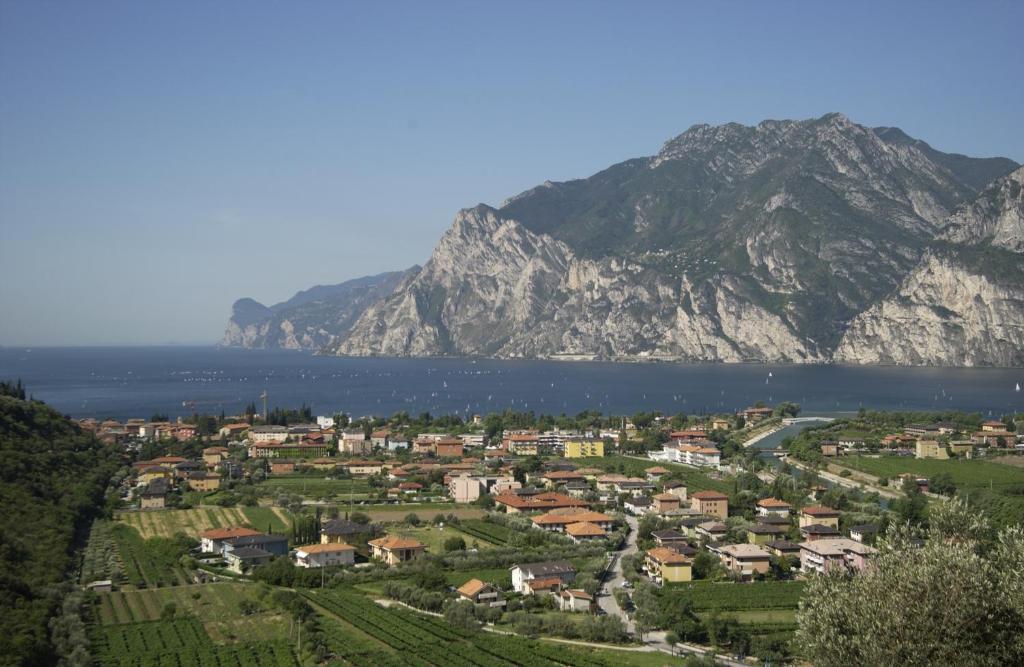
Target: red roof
point(709, 495)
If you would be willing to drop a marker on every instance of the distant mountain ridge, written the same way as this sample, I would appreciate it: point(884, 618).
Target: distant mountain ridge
point(732, 243)
point(311, 319)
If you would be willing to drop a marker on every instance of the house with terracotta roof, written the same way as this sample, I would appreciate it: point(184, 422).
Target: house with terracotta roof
point(575, 600)
point(756, 414)
point(214, 455)
point(773, 507)
point(818, 531)
point(554, 478)
point(204, 481)
point(710, 503)
point(584, 531)
point(394, 550)
point(448, 448)
point(746, 560)
point(719, 424)
point(663, 564)
point(666, 503)
point(212, 541)
point(541, 502)
point(325, 555)
point(480, 592)
point(818, 514)
point(763, 533)
point(557, 520)
point(655, 473)
point(533, 577)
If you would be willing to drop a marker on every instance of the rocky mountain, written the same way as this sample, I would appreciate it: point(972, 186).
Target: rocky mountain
point(310, 320)
point(963, 304)
point(733, 243)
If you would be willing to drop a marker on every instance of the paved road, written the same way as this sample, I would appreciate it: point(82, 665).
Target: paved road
point(613, 581)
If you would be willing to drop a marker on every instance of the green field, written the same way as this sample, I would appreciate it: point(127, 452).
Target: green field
point(216, 606)
point(168, 523)
point(485, 531)
point(729, 596)
point(181, 641)
point(435, 537)
point(694, 479)
point(995, 488)
point(317, 486)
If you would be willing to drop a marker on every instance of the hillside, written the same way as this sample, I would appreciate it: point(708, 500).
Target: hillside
point(732, 244)
point(52, 480)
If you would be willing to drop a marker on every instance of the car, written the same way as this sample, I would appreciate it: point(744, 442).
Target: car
point(626, 584)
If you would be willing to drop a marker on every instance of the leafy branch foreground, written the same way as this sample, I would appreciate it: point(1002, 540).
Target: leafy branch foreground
point(959, 599)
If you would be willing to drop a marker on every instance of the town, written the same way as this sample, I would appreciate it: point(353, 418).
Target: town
point(682, 534)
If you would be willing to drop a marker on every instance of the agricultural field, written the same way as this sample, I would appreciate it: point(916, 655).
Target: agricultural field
point(216, 606)
point(147, 563)
point(728, 596)
point(425, 511)
point(485, 531)
point(422, 640)
point(995, 488)
point(694, 479)
point(317, 486)
point(434, 537)
point(180, 641)
point(101, 560)
point(168, 523)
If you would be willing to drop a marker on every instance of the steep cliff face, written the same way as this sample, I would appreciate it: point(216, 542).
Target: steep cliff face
point(944, 314)
point(494, 288)
point(963, 304)
point(309, 320)
point(997, 216)
point(732, 244)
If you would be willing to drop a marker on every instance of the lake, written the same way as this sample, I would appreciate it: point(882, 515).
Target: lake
point(123, 382)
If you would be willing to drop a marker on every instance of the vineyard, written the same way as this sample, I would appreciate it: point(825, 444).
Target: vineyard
point(100, 560)
point(168, 523)
point(147, 562)
point(486, 531)
point(424, 641)
point(707, 596)
point(180, 643)
point(313, 486)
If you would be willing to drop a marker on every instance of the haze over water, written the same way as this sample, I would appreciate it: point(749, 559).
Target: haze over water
point(140, 381)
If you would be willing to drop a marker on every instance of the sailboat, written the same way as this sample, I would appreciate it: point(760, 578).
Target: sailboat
point(1018, 388)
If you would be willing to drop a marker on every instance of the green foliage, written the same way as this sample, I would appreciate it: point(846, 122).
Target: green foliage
point(922, 605)
point(52, 481)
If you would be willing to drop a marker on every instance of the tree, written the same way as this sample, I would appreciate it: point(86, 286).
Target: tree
point(412, 519)
point(455, 544)
point(460, 614)
point(922, 605)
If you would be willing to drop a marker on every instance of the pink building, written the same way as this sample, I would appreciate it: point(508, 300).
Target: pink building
point(826, 554)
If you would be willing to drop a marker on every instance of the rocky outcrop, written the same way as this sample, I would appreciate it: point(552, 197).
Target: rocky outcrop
point(310, 320)
point(733, 243)
point(996, 217)
point(943, 314)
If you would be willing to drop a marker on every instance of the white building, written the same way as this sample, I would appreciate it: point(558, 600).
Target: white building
point(325, 555)
point(698, 455)
point(325, 422)
point(262, 434)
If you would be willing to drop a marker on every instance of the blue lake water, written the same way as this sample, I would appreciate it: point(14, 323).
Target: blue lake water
point(139, 381)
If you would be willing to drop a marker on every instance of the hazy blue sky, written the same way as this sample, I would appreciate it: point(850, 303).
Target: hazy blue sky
point(159, 160)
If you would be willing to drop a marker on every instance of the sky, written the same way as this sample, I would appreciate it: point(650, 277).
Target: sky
point(159, 160)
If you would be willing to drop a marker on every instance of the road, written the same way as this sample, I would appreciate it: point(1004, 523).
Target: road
point(606, 600)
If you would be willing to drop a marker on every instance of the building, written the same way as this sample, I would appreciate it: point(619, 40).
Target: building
point(993, 425)
point(575, 449)
point(773, 507)
point(667, 565)
point(354, 442)
point(830, 449)
point(783, 548)
point(764, 533)
point(230, 431)
point(338, 531)
point(325, 555)
point(668, 538)
point(395, 550)
point(379, 439)
point(156, 472)
point(863, 533)
point(575, 600)
point(154, 496)
point(523, 444)
point(516, 501)
point(464, 489)
point(676, 488)
point(282, 466)
point(204, 481)
point(817, 531)
point(713, 530)
point(817, 514)
point(756, 414)
point(479, 592)
point(556, 520)
point(719, 424)
point(276, 545)
point(930, 449)
point(666, 503)
point(562, 572)
point(214, 455)
point(448, 448)
point(213, 541)
point(655, 473)
point(638, 505)
point(584, 531)
point(325, 422)
point(244, 559)
point(746, 560)
point(264, 434)
point(710, 503)
point(834, 553)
